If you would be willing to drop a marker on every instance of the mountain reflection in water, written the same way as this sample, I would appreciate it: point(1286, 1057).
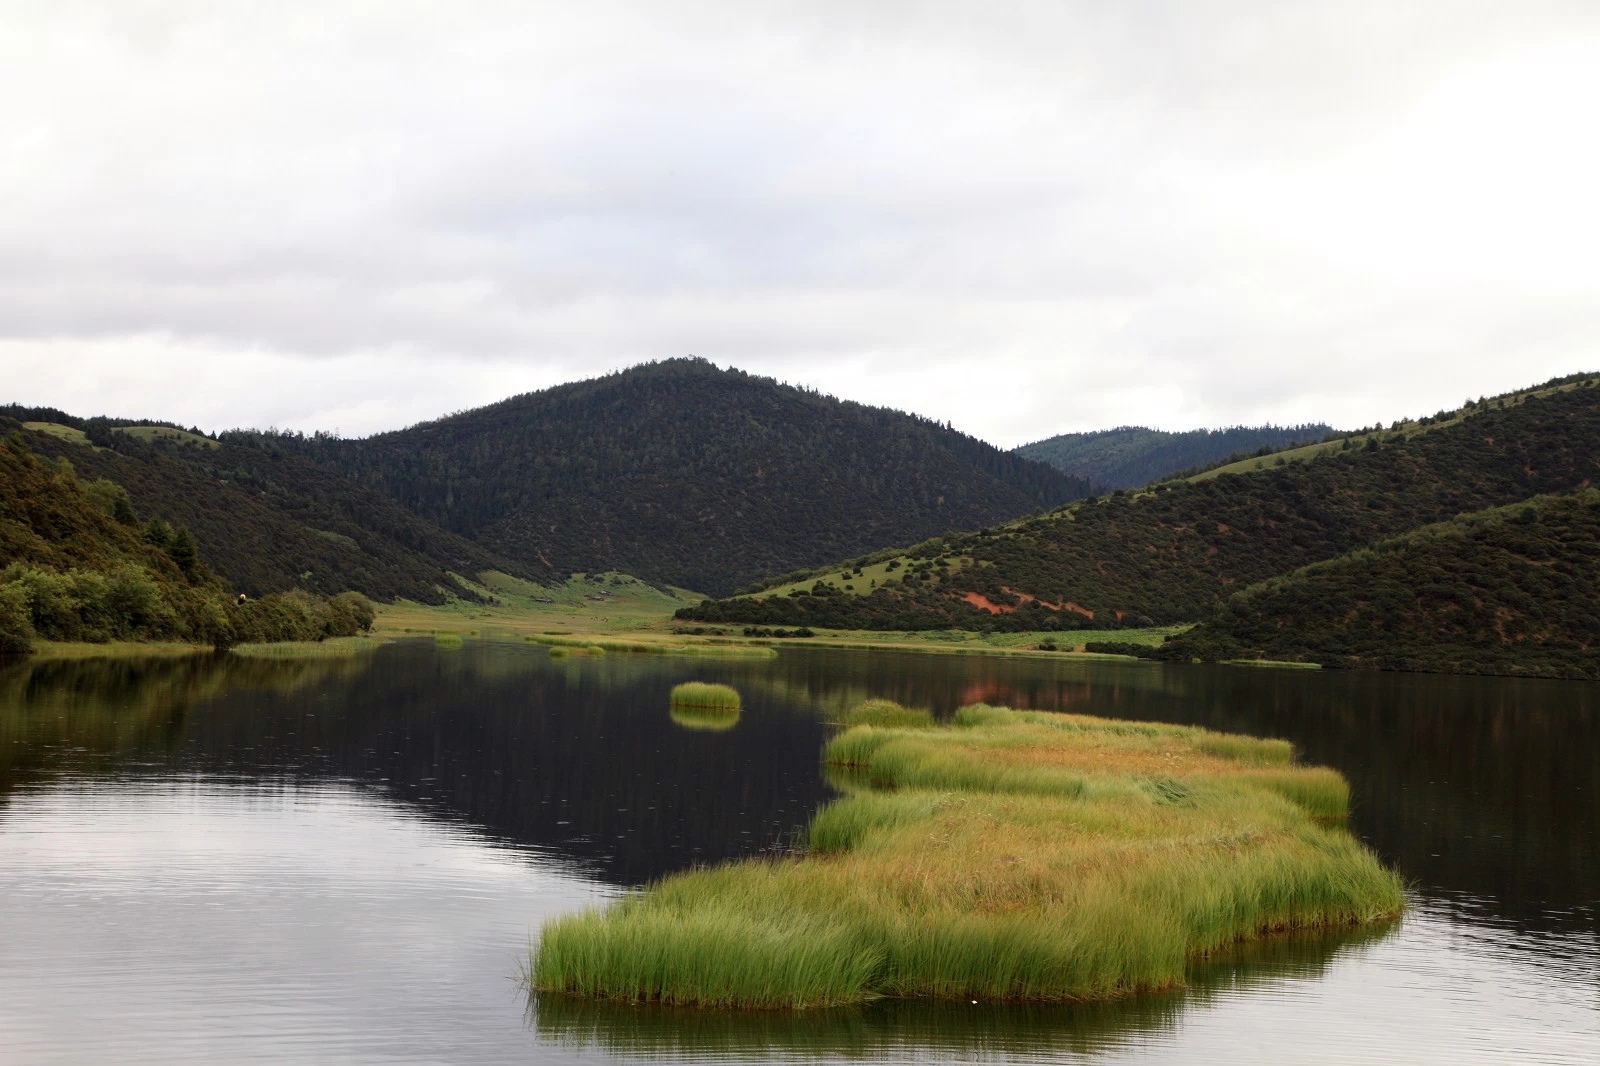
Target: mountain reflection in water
point(304, 859)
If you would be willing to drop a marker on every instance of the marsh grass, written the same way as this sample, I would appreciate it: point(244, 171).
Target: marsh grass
point(332, 648)
point(447, 641)
point(1011, 855)
point(639, 647)
point(885, 714)
point(704, 696)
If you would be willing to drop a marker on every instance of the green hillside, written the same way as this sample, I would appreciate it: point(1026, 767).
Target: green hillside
point(1177, 551)
point(686, 474)
point(78, 564)
point(264, 517)
point(1511, 590)
point(1130, 456)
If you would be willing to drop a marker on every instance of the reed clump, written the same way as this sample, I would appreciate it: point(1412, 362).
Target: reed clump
point(1010, 855)
point(705, 696)
point(886, 714)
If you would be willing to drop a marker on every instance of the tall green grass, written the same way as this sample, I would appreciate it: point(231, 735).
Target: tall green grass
point(885, 714)
point(595, 646)
point(331, 648)
point(1013, 855)
point(704, 696)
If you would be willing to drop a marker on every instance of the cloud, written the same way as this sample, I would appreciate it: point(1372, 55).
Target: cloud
point(1020, 218)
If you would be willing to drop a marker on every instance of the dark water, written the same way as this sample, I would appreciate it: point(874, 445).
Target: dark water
point(335, 860)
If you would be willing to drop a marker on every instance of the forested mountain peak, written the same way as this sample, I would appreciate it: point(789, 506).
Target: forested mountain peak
point(682, 472)
point(1127, 457)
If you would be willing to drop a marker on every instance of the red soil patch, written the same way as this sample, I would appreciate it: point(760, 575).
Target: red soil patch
point(983, 603)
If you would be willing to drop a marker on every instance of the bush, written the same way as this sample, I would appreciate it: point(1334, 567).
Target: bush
point(16, 623)
point(1119, 647)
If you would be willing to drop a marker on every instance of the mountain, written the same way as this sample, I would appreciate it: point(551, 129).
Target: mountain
point(79, 566)
point(264, 517)
point(1176, 552)
point(1511, 590)
point(1130, 456)
point(680, 472)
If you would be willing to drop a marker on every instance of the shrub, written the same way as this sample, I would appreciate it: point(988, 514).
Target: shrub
point(16, 622)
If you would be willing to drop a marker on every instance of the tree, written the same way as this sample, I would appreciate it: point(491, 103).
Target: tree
point(158, 533)
point(182, 550)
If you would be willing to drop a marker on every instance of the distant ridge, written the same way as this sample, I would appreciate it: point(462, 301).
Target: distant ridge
point(1177, 551)
point(262, 517)
point(681, 472)
point(1508, 590)
point(1130, 456)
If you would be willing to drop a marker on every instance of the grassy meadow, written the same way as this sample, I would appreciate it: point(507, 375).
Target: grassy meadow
point(1009, 855)
point(595, 613)
point(166, 433)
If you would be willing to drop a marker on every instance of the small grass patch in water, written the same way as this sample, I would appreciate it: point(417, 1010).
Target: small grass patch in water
point(1010, 855)
point(885, 714)
point(447, 641)
point(705, 696)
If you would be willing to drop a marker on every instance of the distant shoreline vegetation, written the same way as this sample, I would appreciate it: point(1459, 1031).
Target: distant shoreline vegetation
point(82, 568)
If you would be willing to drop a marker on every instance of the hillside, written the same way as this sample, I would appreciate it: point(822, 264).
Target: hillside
point(1177, 552)
point(1511, 590)
point(683, 473)
point(262, 517)
point(77, 564)
point(1131, 456)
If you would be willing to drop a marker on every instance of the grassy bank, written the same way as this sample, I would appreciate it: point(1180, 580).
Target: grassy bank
point(331, 648)
point(1009, 855)
point(617, 613)
point(69, 649)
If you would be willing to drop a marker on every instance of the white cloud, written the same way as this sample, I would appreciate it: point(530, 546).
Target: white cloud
point(1019, 218)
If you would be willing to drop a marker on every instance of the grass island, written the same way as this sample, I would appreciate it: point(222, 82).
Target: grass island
point(1005, 855)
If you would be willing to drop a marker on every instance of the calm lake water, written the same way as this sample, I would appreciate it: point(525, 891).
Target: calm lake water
point(346, 860)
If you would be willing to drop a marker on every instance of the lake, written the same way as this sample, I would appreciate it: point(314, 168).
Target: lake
point(318, 860)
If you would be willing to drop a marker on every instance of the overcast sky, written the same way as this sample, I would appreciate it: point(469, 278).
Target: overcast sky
point(1021, 218)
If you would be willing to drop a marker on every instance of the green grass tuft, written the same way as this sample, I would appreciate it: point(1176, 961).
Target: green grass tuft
point(701, 695)
point(885, 714)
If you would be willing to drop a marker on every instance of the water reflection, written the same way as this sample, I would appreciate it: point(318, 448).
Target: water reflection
point(212, 857)
point(191, 919)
